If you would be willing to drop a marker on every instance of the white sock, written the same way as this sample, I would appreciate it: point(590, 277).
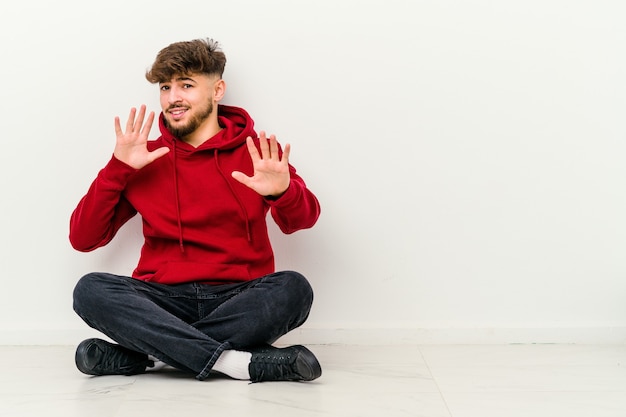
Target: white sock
point(234, 363)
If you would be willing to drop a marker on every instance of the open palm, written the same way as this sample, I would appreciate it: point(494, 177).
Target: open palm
point(271, 171)
point(131, 144)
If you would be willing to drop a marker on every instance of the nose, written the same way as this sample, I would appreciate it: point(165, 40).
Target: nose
point(173, 95)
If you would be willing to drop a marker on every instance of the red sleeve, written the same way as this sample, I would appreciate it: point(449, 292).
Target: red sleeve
point(297, 208)
point(103, 210)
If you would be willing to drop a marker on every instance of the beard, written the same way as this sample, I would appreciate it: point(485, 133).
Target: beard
point(192, 124)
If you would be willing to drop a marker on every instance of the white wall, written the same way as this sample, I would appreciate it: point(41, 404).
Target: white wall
point(469, 156)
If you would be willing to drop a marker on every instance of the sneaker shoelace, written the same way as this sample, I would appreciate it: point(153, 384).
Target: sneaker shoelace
point(124, 362)
point(272, 367)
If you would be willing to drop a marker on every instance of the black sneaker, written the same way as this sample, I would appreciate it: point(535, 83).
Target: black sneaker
point(293, 363)
point(98, 357)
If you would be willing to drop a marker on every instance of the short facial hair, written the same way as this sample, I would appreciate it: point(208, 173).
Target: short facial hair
point(192, 124)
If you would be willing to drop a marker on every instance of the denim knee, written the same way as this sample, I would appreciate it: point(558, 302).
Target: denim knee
point(88, 293)
point(299, 286)
point(80, 290)
point(298, 294)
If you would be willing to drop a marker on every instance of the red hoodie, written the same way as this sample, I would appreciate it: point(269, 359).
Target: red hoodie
point(199, 223)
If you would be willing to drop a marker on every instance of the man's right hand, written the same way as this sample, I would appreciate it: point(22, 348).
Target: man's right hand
point(131, 145)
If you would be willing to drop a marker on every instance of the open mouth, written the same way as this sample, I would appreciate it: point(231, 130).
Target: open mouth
point(177, 113)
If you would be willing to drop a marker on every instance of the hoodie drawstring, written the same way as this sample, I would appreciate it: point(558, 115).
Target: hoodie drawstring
point(232, 191)
point(180, 223)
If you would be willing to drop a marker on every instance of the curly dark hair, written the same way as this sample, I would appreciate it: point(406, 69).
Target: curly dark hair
point(190, 57)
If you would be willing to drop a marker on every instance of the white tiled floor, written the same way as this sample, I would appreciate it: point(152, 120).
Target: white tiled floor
point(389, 381)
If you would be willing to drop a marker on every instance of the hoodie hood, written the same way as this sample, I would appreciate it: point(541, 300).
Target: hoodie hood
point(236, 126)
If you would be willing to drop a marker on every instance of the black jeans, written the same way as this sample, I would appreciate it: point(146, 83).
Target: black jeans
point(189, 325)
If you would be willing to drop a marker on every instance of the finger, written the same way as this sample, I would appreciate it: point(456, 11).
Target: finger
point(273, 147)
point(286, 152)
point(118, 127)
point(139, 122)
point(254, 152)
point(241, 177)
point(157, 153)
point(131, 120)
point(265, 149)
point(145, 131)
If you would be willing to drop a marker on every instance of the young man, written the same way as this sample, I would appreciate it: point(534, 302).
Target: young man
point(204, 295)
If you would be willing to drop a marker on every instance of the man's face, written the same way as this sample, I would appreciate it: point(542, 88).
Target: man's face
point(187, 102)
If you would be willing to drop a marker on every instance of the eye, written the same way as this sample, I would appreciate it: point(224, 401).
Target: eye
point(187, 86)
point(165, 87)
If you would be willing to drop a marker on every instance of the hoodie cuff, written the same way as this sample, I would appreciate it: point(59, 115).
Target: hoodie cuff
point(116, 173)
point(285, 198)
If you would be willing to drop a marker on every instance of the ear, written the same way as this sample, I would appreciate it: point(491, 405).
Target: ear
point(219, 89)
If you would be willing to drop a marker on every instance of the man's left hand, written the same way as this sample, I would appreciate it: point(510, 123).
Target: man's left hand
point(271, 172)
